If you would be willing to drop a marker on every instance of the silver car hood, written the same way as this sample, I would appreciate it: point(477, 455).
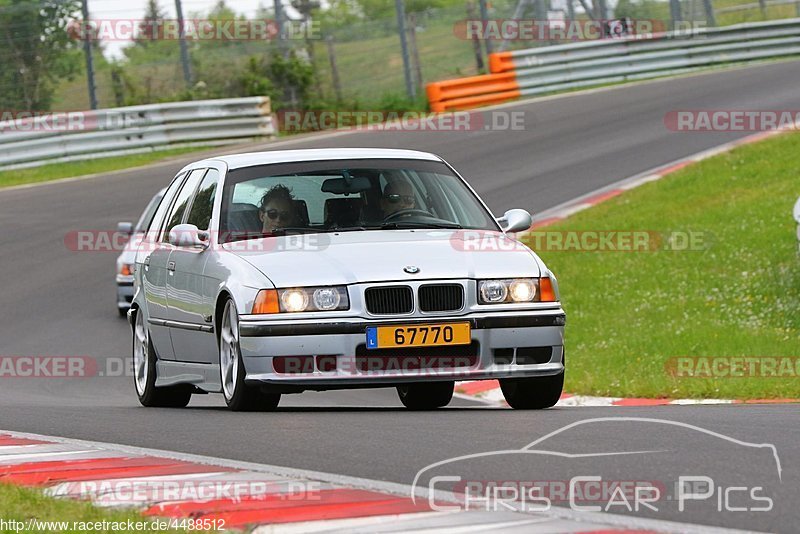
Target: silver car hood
point(377, 256)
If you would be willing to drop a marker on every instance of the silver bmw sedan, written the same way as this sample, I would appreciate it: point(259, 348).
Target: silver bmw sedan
point(277, 272)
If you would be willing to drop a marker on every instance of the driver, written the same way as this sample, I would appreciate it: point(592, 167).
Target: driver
point(397, 196)
point(277, 209)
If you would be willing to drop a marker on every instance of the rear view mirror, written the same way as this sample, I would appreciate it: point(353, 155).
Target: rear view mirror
point(342, 186)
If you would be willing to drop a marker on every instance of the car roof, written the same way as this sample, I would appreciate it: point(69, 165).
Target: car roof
point(250, 159)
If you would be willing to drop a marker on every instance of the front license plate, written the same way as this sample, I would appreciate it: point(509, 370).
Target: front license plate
point(418, 335)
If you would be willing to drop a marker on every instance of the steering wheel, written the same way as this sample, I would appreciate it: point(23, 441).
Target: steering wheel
point(407, 212)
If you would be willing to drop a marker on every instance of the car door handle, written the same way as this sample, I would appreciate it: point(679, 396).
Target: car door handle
point(171, 266)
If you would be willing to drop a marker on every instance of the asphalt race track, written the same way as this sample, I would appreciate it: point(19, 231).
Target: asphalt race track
point(58, 302)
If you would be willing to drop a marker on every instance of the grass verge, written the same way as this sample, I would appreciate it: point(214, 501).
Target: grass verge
point(631, 314)
point(34, 512)
point(55, 171)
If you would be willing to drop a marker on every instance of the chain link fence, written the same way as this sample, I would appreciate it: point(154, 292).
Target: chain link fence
point(352, 65)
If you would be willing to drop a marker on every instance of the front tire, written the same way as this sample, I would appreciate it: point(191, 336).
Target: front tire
point(532, 393)
point(426, 396)
point(144, 373)
point(239, 396)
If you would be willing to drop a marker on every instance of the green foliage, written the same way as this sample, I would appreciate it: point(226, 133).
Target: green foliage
point(642, 9)
point(376, 9)
point(254, 80)
point(37, 50)
point(294, 76)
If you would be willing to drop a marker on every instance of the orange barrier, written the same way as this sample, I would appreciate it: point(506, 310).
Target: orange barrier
point(500, 62)
point(472, 92)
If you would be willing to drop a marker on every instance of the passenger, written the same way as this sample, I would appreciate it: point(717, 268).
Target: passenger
point(277, 209)
point(397, 196)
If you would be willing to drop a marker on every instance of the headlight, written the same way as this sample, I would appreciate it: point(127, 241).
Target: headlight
point(326, 298)
point(522, 290)
point(301, 299)
point(516, 290)
point(493, 291)
point(294, 300)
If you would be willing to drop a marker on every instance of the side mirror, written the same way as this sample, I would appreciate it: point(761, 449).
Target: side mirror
point(125, 228)
point(187, 235)
point(515, 221)
point(797, 211)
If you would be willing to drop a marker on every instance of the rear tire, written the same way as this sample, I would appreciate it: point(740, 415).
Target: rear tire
point(144, 373)
point(426, 396)
point(239, 396)
point(532, 393)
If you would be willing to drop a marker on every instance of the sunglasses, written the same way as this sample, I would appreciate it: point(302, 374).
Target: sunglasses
point(396, 199)
point(274, 214)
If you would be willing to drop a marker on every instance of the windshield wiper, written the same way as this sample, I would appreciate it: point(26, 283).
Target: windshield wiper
point(407, 224)
point(293, 230)
point(334, 229)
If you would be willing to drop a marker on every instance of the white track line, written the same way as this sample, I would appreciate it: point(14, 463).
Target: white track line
point(377, 485)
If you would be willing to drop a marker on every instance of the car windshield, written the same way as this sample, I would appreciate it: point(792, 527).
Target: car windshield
point(345, 195)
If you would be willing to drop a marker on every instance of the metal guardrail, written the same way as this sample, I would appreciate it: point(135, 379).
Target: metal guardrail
point(554, 68)
point(70, 136)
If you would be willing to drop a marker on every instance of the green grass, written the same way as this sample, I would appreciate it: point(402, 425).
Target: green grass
point(629, 313)
point(774, 12)
point(55, 171)
point(22, 504)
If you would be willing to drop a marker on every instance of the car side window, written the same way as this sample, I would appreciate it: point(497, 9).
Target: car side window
point(203, 203)
point(178, 210)
point(166, 201)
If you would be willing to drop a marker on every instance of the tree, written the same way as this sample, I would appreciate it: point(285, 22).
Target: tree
point(36, 51)
point(149, 27)
point(382, 9)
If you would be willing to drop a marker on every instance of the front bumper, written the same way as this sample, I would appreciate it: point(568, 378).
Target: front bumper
point(494, 353)
point(124, 293)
